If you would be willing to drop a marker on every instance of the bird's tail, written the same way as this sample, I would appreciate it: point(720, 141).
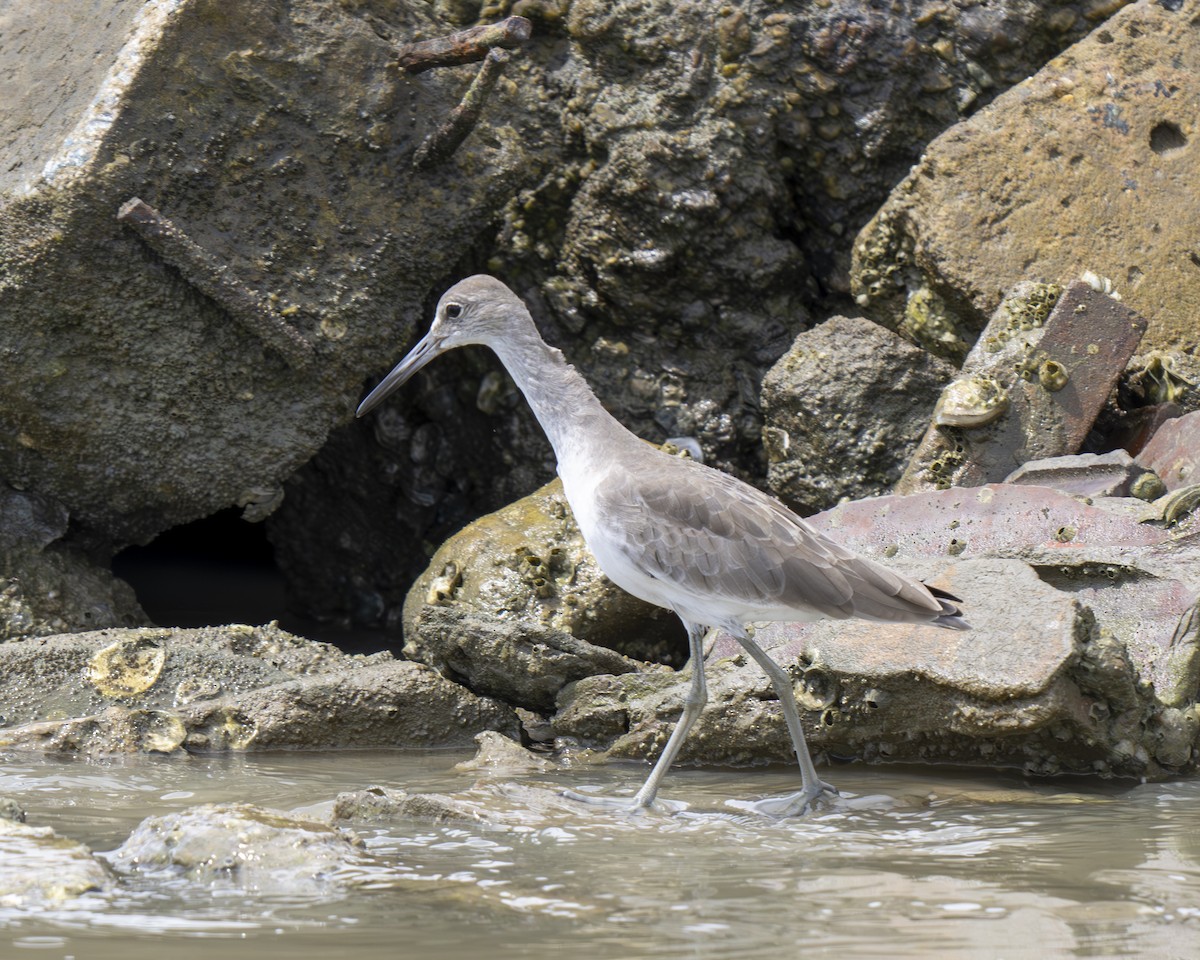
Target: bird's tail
point(951, 616)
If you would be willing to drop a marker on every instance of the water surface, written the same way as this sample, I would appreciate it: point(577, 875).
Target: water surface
point(911, 863)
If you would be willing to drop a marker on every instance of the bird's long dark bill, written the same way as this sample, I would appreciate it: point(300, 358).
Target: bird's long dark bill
point(420, 355)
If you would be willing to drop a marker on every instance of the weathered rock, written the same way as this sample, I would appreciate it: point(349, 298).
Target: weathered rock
point(1051, 694)
point(48, 585)
point(844, 409)
point(497, 804)
point(1135, 427)
point(1081, 474)
point(244, 846)
point(522, 664)
point(41, 870)
point(154, 668)
point(1137, 579)
point(388, 803)
point(1086, 165)
point(524, 572)
point(1173, 452)
point(115, 730)
point(1178, 683)
point(995, 661)
point(499, 756)
point(368, 804)
point(231, 688)
point(1030, 388)
point(11, 810)
point(937, 698)
point(840, 95)
point(387, 704)
point(1147, 616)
point(134, 401)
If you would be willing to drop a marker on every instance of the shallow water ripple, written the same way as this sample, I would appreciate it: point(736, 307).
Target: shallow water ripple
point(908, 863)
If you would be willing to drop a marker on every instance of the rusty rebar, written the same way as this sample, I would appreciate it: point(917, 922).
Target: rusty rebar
point(466, 46)
point(445, 139)
point(215, 280)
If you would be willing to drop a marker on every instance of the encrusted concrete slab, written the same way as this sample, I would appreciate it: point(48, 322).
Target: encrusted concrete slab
point(278, 141)
point(1030, 388)
point(1003, 658)
point(1083, 654)
point(1036, 524)
point(1173, 452)
point(1081, 474)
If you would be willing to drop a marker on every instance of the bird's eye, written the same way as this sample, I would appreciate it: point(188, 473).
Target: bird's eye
point(453, 310)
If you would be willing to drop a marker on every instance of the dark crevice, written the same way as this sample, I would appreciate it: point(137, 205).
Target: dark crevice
point(220, 570)
point(1166, 137)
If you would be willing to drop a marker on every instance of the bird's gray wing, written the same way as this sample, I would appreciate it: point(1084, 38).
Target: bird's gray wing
point(714, 536)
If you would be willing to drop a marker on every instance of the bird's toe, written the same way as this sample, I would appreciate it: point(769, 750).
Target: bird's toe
point(792, 804)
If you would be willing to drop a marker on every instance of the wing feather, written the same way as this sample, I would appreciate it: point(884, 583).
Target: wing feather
point(715, 537)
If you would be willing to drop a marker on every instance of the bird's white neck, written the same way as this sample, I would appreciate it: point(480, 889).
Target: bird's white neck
point(570, 414)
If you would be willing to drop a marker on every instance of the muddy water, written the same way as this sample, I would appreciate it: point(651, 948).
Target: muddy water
point(911, 863)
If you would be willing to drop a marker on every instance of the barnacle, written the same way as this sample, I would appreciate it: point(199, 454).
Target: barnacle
point(1160, 378)
point(971, 402)
point(1100, 284)
point(1052, 375)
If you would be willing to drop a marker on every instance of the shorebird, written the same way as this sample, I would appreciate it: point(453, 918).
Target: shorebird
point(674, 532)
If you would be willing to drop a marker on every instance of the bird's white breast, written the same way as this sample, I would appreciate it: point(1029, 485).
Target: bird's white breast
point(606, 541)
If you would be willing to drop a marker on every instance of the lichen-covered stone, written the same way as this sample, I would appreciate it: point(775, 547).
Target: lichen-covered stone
point(527, 565)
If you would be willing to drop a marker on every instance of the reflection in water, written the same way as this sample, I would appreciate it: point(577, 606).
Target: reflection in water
point(924, 864)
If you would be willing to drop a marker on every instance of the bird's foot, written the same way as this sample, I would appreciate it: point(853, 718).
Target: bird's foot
point(632, 804)
point(792, 804)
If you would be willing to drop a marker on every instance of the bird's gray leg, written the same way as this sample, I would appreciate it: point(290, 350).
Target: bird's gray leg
point(693, 704)
point(811, 786)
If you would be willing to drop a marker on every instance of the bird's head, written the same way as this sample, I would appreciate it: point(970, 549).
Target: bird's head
point(479, 309)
